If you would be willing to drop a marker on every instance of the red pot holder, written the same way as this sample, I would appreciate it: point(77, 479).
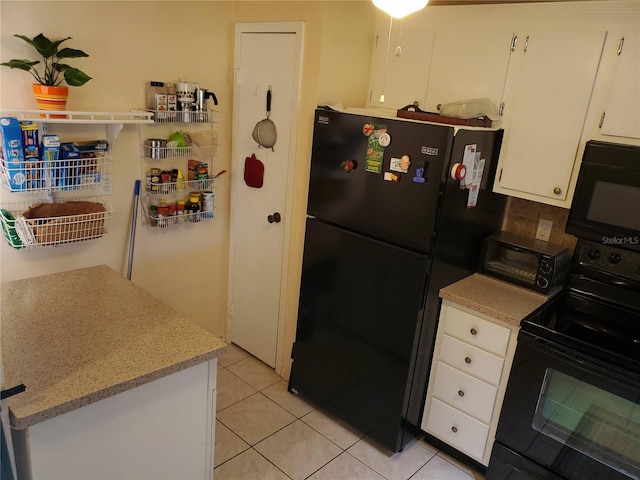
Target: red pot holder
point(253, 171)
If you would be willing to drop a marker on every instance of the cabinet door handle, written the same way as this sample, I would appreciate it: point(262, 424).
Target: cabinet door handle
point(557, 190)
point(454, 429)
point(460, 393)
point(620, 46)
point(473, 331)
point(467, 360)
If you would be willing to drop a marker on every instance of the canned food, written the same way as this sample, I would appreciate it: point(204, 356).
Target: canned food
point(155, 148)
point(207, 204)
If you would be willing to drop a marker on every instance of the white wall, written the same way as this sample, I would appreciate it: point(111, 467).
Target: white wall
point(130, 43)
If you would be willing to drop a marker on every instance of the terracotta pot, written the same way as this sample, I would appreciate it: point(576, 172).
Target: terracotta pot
point(50, 98)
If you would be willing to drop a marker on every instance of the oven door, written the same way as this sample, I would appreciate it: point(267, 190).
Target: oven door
point(569, 413)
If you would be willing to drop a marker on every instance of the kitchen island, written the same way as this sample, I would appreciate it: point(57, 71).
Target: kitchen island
point(118, 385)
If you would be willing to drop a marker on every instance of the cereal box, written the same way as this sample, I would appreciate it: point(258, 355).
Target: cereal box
point(12, 153)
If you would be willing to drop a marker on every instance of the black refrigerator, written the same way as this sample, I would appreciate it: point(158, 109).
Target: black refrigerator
point(387, 227)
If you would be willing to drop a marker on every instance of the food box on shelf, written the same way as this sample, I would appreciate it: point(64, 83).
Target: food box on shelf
point(198, 170)
point(50, 154)
point(12, 153)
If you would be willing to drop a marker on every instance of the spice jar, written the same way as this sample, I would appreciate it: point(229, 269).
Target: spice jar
point(153, 180)
point(194, 206)
point(153, 215)
point(163, 214)
point(180, 211)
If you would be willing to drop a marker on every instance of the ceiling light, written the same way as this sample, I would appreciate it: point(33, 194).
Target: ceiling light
point(400, 8)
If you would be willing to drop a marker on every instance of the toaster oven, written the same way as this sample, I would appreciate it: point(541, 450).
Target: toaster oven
point(530, 263)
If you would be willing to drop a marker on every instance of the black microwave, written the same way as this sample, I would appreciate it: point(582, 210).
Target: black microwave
point(606, 203)
point(530, 263)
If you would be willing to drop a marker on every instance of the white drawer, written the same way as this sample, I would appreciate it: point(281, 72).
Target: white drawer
point(476, 331)
point(464, 392)
point(469, 359)
point(457, 429)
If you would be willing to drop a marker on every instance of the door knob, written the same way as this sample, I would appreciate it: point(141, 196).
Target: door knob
point(274, 218)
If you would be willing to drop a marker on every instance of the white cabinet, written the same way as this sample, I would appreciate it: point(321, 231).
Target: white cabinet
point(614, 114)
point(547, 94)
point(467, 64)
point(164, 429)
point(622, 115)
point(471, 363)
point(401, 75)
point(434, 68)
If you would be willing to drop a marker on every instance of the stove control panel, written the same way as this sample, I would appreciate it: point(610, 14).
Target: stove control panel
point(608, 258)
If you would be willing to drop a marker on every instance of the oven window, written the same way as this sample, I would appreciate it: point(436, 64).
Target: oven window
point(611, 204)
point(590, 420)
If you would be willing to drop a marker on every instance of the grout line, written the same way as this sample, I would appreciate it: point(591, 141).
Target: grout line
point(299, 418)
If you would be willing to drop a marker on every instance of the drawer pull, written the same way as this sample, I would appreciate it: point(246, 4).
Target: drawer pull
point(474, 331)
point(460, 393)
point(467, 360)
point(454, 429)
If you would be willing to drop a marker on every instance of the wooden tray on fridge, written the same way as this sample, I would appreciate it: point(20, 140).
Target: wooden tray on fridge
point(414, 113)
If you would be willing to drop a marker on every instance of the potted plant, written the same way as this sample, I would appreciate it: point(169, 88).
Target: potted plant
point(49, 93)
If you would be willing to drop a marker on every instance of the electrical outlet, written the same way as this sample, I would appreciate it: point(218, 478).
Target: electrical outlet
point(544, 229)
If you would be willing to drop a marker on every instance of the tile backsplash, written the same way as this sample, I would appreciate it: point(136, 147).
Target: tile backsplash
point(522, 216)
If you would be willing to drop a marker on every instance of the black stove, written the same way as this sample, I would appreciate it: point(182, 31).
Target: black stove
point(598, 312)
point(571, 410)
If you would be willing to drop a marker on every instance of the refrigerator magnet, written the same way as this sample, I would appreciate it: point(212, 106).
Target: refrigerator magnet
point(368, 129)
point(391, 177)
point(384, 139)
point(400, 164)
point(348, 165)
point(419, 176)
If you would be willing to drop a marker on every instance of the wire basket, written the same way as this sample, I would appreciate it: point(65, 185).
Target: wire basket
point(184, 116)
point(57, 175)
point(20, 231)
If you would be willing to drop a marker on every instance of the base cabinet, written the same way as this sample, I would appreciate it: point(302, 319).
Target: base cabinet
point(469, 373)
point(163, 429)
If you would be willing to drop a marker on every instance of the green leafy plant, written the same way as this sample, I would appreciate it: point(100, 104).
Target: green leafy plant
point(54, 71)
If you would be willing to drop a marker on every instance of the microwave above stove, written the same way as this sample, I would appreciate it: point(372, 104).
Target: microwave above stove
point(605, 204)
point(530, 263)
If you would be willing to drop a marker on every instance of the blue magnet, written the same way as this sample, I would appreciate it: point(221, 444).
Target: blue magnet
point(419, 178)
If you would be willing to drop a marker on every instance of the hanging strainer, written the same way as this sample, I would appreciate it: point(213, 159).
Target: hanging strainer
point(265, 133)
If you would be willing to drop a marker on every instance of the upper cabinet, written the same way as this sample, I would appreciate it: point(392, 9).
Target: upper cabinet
point(561, 73)
point(399, 63)
point(616, 103)
point(466, 65)
point(549, 86)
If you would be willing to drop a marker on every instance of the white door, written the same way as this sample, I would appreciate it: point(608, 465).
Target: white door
point(267, 55)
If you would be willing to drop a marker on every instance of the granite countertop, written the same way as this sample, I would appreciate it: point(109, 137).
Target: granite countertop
point(495, 298)
point(76, 337)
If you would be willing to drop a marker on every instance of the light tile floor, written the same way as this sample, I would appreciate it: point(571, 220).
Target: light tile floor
point(265, 433)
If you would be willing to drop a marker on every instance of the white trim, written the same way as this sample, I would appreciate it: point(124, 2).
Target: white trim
point(294, 28)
